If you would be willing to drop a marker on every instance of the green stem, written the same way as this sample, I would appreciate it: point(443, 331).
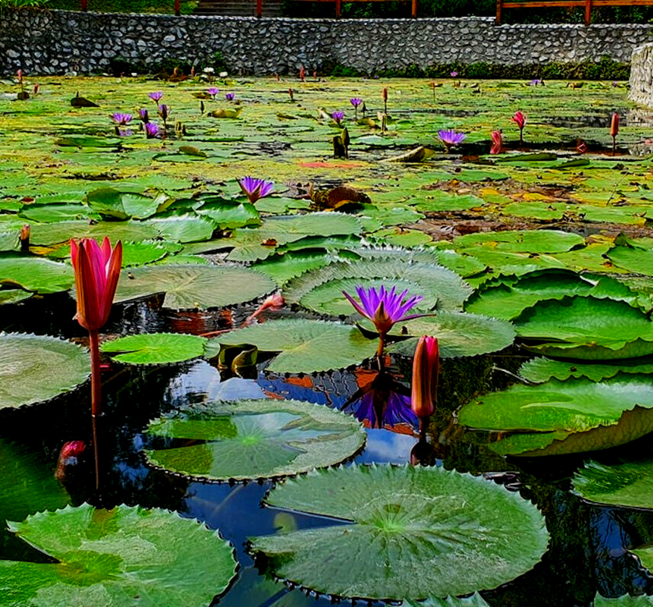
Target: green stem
point(96, 398)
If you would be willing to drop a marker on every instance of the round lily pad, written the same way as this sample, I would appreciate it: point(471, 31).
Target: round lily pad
point(155, 348)
point(412, 533)
point(35, 368)
point(36, 275)
point(586, 328)
point(304, 346)
point(121, 557)
point(252, 439)
point(194, 286)
point(321, 290)
point(458, 334)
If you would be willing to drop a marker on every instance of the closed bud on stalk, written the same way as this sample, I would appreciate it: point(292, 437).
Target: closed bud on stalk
point(614, 125)
point(426, 367)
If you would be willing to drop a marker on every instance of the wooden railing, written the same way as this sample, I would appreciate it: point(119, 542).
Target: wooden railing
point(587, 4)
point(84, 6)
point(413, 5)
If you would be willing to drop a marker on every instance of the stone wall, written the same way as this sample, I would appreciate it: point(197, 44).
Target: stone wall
point(641, 75)
point(56, 42)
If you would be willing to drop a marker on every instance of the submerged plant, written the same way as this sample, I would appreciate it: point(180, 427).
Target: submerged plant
point(497, 142)
point(384, 308)
point(520, 120)
point(614, 131)
point(97, 270)
point(426, 367)
point(451, 138)
point(255, 189)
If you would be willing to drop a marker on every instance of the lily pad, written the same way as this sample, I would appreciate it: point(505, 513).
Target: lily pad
point(252, 439)
point(194, 286)
point(626, 600)
point(411, 533)
point(13, 296)
point(36, 275)
point(458, 334)
point(321, 290)
point(119, 557)
point(304, 346)
point(543, 369)
point(476, 600)
point(36, 368)
point(155, 348)
point(586, 328)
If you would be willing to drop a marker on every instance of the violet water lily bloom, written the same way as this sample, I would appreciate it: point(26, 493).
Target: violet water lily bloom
point(384, 308)
point(450, 138)
point(152, 130)
point(156, 96)
point(454, 74)
point(164, 111)
point(144, 115)
point(338, 117)
point(393, 410)
point(356, 101)
point(213, 92)
point(230, 96)
point(255, 189)
point(121, 119)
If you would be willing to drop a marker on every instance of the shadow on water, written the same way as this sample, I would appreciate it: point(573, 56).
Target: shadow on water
point(589, 543)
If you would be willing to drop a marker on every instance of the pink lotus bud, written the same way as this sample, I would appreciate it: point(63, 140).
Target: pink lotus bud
point(426, 367)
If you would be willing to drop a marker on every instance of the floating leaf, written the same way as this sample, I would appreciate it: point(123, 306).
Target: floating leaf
point(413, 533)
point(118, 557)
point(35, 368)
point(36, 275)
point(543, 369)
point(458, 334)
point(305, 346)
point(155, 348)
point(194, 286)
point(13, 296)
point(476, 600)
point(252, 439)
point(626, 600)
point(587, 328)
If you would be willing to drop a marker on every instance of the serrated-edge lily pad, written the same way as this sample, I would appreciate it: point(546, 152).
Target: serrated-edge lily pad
point(543, 369)
point(305, 346)
point(626, 600)
point(194, 286)
point(119, 557)
point(412, 533)
point(36, 275)
point(36, 368)
point(155, 348)
point(458, 333)
point(253, 439)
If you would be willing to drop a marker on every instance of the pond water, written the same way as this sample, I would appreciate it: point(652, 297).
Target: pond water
point(542, 253)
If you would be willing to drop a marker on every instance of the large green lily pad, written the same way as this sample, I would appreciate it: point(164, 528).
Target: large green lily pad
point(194, 286)
point(254, 439)
point(476, 600)
point(304, 346)
point(559, 411)
point(626, 600)
point(586, 328)
point(119, 557)
point(36, 368)
point(458, 334)
point(411, 533)
point(36, 275)
point(155, 348)
point(543, 369)
point(320, 290)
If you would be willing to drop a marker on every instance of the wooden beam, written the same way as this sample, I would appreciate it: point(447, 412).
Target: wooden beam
point(177, 8)
point(413, 10)
point(84, 5)
point(499, 6)
point(338, 7)
point(588, 12)
point(259, 8)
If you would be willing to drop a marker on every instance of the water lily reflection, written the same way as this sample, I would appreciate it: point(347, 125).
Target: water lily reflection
point(382, 402)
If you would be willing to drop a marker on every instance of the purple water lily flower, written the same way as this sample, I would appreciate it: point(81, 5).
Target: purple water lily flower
point(338, 117)
point(450, 138)
point(124, 132)
point(255, 188)
point(384, 308)
point(144, 115)
point(213, 92)
point(454, 74)
point(164, 112)
point(152, 130)
point(121, 119)
point(356, 101)
point(535, 82)
point(156, 96)
point(230, 96)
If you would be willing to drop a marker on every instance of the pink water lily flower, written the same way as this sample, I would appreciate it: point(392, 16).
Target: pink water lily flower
point(497, 142)
point(384, 308)
point(255, 189)
point(520, 120)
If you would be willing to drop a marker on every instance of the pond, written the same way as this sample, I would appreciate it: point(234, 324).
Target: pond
point(275, 421)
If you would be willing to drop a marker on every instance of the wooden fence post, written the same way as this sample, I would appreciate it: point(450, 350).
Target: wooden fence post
point(588, 12)
point(84, 5)
point(259, 8)
point(413, 11)
point(177, 8)
point(499, 3)
point(338, 7)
